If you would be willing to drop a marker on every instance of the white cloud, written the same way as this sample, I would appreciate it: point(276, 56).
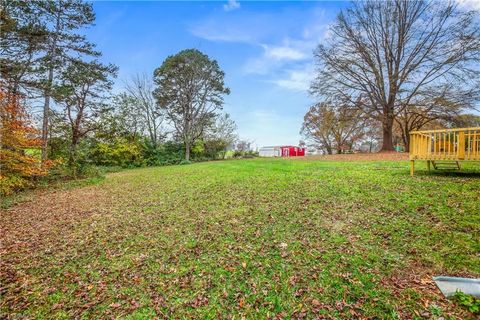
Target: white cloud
point(289, 50)
point(297, 79)
point(283, 53)
point(285, 50)
point(231, 5)
point(469, 4)
point(232, 28)
point(276, 57)
point(227, 34)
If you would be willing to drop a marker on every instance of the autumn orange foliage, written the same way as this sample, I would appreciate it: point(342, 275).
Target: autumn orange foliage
point(18, 142)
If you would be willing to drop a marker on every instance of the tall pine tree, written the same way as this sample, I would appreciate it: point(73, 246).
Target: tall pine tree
point(23, 38)
point(63, 19)
point(38, 38)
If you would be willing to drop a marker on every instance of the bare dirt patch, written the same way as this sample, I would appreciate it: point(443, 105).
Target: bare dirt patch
point(382, 156)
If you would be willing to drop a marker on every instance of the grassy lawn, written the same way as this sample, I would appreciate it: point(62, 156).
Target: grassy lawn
point(244, 239)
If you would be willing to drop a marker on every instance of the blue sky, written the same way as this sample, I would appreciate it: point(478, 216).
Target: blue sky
point(265, 48)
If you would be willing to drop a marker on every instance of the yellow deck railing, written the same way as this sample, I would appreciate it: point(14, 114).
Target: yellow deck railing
point(461, 144)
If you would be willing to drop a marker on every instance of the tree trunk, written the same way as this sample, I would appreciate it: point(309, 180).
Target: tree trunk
point(387, 144)
point(187, 151)
point(406, 140)
point(72, 158)
point(46, 106)
point(46, 116)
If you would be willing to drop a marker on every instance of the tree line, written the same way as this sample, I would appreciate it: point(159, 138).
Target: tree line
point(48, 65)
point(390, 67)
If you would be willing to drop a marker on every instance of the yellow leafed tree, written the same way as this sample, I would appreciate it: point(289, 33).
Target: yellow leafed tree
point(18, 141)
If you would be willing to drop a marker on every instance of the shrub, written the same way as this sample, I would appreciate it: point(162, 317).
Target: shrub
point(10, 183)
point(245, 154)
point(238, 154)
point(118, 152)
point(19, 163)
point(168, 153)
point(184, 162)
point(469, 302)
point(85, 170)
point(215, 148)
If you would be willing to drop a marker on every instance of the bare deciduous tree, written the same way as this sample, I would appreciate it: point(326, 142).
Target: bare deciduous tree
point(221, 135)
point(140, 88)
point(392, 54)
point(465, 120)
point(224, 128)
point(415, 117)
point(243, 146)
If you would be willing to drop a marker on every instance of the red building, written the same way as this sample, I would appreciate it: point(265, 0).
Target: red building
point(282, 151)
point(292, 151)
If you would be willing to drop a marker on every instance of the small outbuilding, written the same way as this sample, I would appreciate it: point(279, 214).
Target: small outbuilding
point(281, 151)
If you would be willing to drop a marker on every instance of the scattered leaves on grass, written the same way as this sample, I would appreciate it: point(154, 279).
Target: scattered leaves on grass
point(277, 239)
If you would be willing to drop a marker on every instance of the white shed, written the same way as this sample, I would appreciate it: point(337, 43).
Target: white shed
point(270, 152)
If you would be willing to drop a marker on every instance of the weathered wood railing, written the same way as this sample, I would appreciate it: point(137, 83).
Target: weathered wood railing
point(448, 144)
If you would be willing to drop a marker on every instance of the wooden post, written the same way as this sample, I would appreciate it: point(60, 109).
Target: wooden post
point(412, 167)
point(428, 165)
point(461, 145)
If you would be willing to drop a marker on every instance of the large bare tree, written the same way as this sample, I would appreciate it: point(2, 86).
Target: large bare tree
point(151, 118)
point(392, 54)
point(436, 108)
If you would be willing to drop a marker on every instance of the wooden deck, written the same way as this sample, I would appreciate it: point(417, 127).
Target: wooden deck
point(456, 145)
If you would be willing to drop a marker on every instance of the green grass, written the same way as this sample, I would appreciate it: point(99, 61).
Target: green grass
point(245, 238)
point(57, 182)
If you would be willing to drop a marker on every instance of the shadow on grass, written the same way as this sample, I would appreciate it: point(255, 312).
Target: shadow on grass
point(447, 173)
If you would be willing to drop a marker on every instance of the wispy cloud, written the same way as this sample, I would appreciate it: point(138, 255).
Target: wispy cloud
point(284, 46)
point(211, 32)
point(232, 28)
point(231, 5)
point(469, 4)
point(296, 79)
point(283, 52)
point(279, 56)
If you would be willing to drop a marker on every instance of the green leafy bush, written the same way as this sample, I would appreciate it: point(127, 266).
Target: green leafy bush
point(119, 152)
point(184, 162)
point(238, 154)
point(11, 183)
point(169, 153)
point(215, 148)
point(469, 302)
point(245, 154)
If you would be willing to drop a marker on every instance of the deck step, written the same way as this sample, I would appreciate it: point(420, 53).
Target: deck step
point(446, 165)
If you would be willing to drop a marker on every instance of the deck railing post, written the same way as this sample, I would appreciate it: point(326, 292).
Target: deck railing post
point(461, 145)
